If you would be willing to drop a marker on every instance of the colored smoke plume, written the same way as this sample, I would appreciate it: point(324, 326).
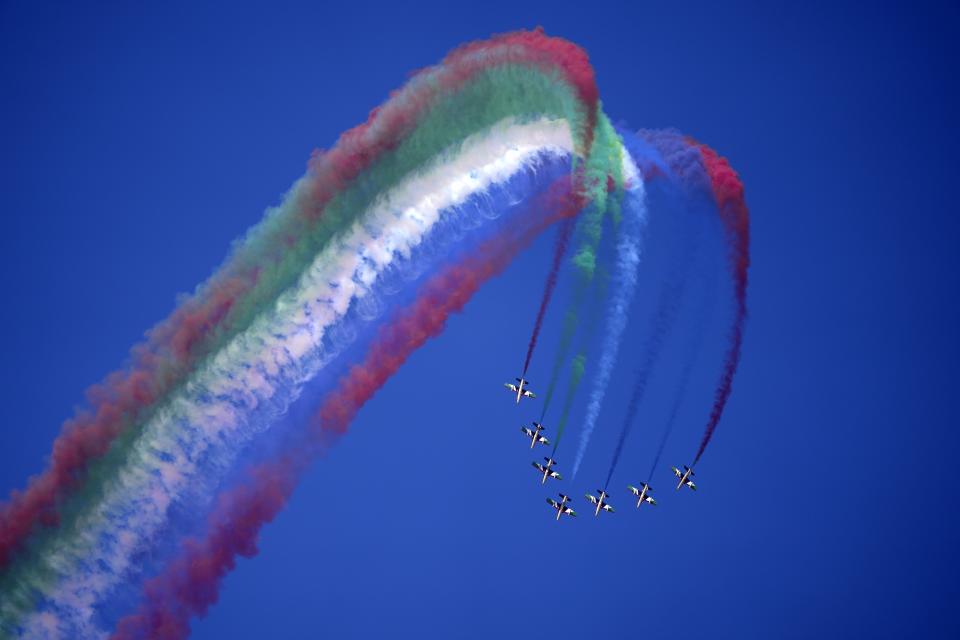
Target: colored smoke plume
point(190, 584)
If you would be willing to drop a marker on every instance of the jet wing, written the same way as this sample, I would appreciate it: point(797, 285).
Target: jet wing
point(513, 388)
point(592, 499)
point(553, 503)
point(528, 432)
point(569, 511)
point(554, 474)
point(529, 394)
point(539, 467)
point(607, 507)
point(634, 490)
point(543, 440)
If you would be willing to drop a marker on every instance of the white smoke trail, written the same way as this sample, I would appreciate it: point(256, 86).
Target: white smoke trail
point(192, 440)
point(628, 260)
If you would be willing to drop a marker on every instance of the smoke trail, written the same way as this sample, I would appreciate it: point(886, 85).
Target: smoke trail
point(683, 171)
point(476, 85)
point(728, 192)
point(563, 239)
point(674, 412)
point(663, 322)
point(628, 260)
point(579, 362)
point(606, 143)
point(675, 408)
point(190, 584)
point(598, 288)
point(567, 334)
point(701, 316)
point(577, 367)
point(217, 412)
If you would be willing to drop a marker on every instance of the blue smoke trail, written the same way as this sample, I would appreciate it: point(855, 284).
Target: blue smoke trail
point(624, 287)
point(669, 304)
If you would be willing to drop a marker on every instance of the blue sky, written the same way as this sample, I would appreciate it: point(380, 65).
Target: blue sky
point(139, 142)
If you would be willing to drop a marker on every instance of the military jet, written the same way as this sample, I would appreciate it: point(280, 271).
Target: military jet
point(561, 506)
point(546, 470)
point(684, 476)
point(521, 389)
point(600, 501)
point(534, 434)
point(643, 494)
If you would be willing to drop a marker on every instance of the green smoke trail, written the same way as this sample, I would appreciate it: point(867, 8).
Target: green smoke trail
point(603, 180)
point(566, 339)
point(577, 367)
point(515, 91)
point(579, 363)
point(571, 322)
point(603, 184)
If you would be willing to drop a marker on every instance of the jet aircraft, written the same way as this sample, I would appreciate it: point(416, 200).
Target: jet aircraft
point(684, 476)
point(561, 507)
point(546, 470)
point(534, 434)
point(600, 501)
point(521, 389)
point(643, 494)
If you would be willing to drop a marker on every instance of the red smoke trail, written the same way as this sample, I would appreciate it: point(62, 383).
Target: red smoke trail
point(563, 239)
point(388, 124)
point(114, 405)
point(728, 192)
point(190, 584)
point(173, 347)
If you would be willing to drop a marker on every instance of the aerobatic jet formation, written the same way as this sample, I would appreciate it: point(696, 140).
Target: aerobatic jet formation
point(561, 507)
point(521, 389)
point(601, 501)
point(547, 470)
point(534, 434)
point(643, 494)
point(684, 476)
